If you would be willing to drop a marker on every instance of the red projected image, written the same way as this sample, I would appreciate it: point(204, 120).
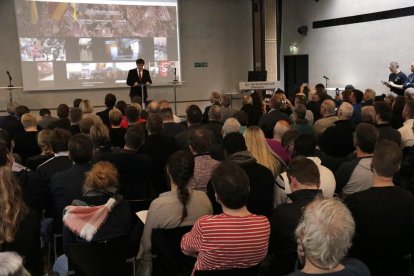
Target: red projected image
point(45, 71)
point(42, 49)
point(162, 68)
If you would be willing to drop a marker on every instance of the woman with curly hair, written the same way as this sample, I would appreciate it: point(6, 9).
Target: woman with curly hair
point(179, 207)
point(19, 226)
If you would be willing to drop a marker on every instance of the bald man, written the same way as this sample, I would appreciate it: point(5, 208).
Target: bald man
point(328, 117)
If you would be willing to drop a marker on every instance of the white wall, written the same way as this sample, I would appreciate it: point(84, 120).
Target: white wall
point(357, 54)
point(214, 31)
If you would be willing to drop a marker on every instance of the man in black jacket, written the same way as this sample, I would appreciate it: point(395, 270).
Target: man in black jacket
point(138, 79)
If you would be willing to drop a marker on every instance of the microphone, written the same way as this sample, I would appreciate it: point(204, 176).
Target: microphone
point(8, 73)
point(325, 77)
point(175, 74)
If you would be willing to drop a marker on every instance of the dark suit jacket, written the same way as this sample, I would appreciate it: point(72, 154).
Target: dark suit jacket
point(133, 77)
point(11, 124)
point(52, 166)
point(268, 121)
point(105, 116)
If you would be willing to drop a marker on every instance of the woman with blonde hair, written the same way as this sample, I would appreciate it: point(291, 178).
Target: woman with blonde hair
point(258, 147)
point(19, 226)
point(86, 107)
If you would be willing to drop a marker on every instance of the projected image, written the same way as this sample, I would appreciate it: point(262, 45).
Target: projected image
point(45, 71)
point(162, 69)
point(160, 48)
point(122, 49)
point(122, 69)
point(42, 49)
point(85, 49)
point(91, 71)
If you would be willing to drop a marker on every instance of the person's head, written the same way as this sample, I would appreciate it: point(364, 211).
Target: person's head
point(99, 134)
point(134, 137)
point(153, 107)
point(242, 117)
point(247, 99)
point(76, 102)
point(226, 101)
point(365, 137)
point(215, 98)
point(103, 177)
point(357, 96)
point(387, 158)
point(59, 139)
point(81, 149)
point(121, 105)
point(180, 169)
point(140, 63)
point(5, 138)
point(164, 103)
point(303, 173)
point(230, 125)
point(326, 232)
point(132, 115)
point(369, 95)
point(280, 128)
point(327, 108)
point(86, 106)
point(394, 67)
point(154, 123)
point(136, 99)
point(12, 208)
point(85, 125)
point(200, 140)
point(20, 110)
point(167, 114)
point(300, 111)
point(383, 111)
point(44, 112)
point(300, 99)
point(29, 121)
point(305, 145)
point(115, 117)
point(288, 139)
point(110, 100)
point(234, 142)
point(276, 101)
point(231, 185)
point(138, 107)
point(398, 104)
point(345, 111)
point(194, 114)
point(62, 111)
point(214, 114)
point(43, 141)
point(409, 93)
point(320, 89)
point(11, 108)
point(408, 112)
point(368, 114)
point(75, 115)
point(346, 95)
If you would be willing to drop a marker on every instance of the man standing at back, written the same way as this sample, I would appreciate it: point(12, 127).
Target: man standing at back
point(138, 79)
point(234, 239)
point(268, 121)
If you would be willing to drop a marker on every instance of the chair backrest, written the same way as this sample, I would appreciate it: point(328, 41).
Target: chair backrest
point(136, 205)
point(99, 258)
point(167, 250)
point(249, 271)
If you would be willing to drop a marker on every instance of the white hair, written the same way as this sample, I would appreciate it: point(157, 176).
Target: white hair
point(329, 106)
point(345, 111)
point(11, 263)
point(368, 114)
point(280, 128)
point(326, 231)
point(230, 125)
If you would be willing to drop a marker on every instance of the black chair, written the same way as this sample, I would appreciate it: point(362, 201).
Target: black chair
point(136, 205)
point(168, 258)
point(98, 258)
point(250, 271)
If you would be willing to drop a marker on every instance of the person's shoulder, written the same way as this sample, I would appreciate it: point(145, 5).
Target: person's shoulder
point(354, 267)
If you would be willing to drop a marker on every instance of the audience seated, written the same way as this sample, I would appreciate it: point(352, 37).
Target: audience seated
point(122, 105)
point(215, 99)
point(19, 226)
point(10, 122)
point(368, 114)
point(75, 117)
point(323, 246)
point(85, 125)
point(86, 107)
point(242, 117)
point(43, 142)
point(201, 141)
point(369, 97)
point(244, 242)
point(63, 114)
point(398, 104)
point(153, 107)
point(268, 121)
point(356, 175)
point(253, 112)
point(170, 127)
point(275, 144)
point(384, 217)
point(301, 99)
point(304, 182)
point(383, 113)
point(116, 131)
point(165, 104)
point(301, 123)
point(328, 119)
point(356, 101)
point(261, 179)
point(336, 141)
point(179, 207)
point(194, 117)
point(25, 143)
point(110, 101)
point(226, 110)
point(67, 185)
point(407, 135)
point(316, 99)
point(214, 124)
point(99, 134)
point(45, 118)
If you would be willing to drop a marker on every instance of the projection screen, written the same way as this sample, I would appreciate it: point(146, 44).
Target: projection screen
point(92, 44)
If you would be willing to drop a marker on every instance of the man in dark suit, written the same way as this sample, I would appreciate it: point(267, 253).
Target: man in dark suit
point(110, 101)
point(138, 79)
point(268, 121)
